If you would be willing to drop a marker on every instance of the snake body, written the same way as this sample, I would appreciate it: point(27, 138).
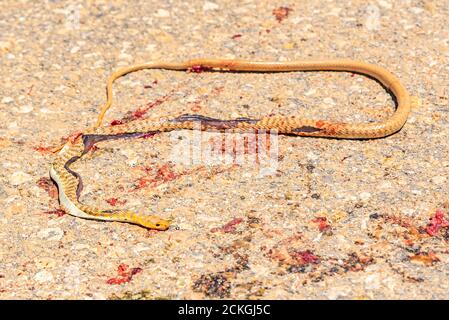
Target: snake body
point(70, 183)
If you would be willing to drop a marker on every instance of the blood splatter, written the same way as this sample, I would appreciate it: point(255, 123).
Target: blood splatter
point(114, 201)
point(57, 212)
point(116, 122)
point(163, 174)
point(72, 137)
point(198, 68)
point(437, 222)
point(229, 227)
point(322, 222)
point(139, 112)
point(125, 274)
point(43, 149)
point(48, 185)
point(305, 257)
point(281, 13)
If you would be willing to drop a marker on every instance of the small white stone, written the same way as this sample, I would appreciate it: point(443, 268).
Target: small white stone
point(365, 195)
point(416, 10)
point(125, 56)
point(364, 223)
point(80, 246)
point(138, 248)
point(210, 6)
point(19, 177)
point(385, 4)
point(7, 100)
point(329, 101)
point(372, 282)
point(385, 185)
point(438, 179)
point(312, 156)
point(74, 50)
point(161, 13)
point(43, 276)
point(51, 234)
point(335, 293)
point(310, 92)
point(26, 109)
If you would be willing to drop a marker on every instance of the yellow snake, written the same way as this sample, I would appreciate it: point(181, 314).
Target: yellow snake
point(69, 182)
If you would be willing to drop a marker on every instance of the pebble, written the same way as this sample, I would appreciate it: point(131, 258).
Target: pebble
point(51, 234)
point(385, 4)
point(365, 195)
point(372, 282)
point(7, 100)
point(161, 13)
point(19, 177)
point(438, 180)
point(310, 92)
point(329, 101)
point(25, 109)
point(335, 293)
point(43, 276)
point(125, 56)
point(385, 185)
point(210, 6)
point(138, 248)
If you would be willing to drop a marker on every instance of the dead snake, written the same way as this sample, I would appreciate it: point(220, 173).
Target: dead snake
point(69, 182)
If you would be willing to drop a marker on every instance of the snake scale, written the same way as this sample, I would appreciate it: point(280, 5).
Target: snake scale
point(70, 183)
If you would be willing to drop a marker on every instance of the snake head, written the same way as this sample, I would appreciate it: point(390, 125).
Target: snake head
point(154, 222)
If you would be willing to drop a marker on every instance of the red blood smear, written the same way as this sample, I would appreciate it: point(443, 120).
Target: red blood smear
point(124, 274)
point(72, 138)
point(116, 122)
point(117, 280)
point(322, 223)
point(43, 150)
point(148, 135)
point(93, 148)
point(236, 36)
point(436, 223)
point(281, 13)
point(122, 269)
point(57, 212)
point(114, 201)
point(136, 271)
point(230, 226)
point(164, 173)
point(48, 185)
point(198, 68)
point(140, 112)
point(306, 257)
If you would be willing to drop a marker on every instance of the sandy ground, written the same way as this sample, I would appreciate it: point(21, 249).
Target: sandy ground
point(336, 219)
